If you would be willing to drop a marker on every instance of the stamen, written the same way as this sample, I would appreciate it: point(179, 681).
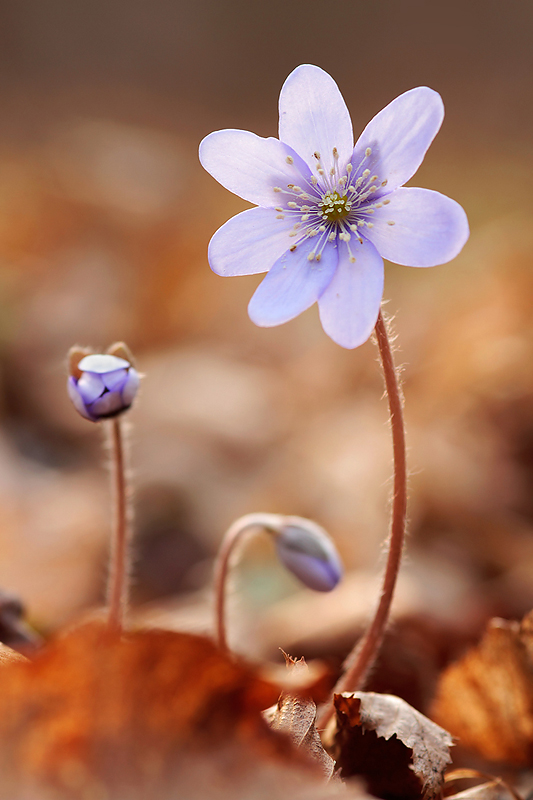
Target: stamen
point(366, 173)
point(319, 256)
point(311, 256)
point(277, 189)
point(332, 237)
point(314, 180)
point(349, 168)
point(386, 202)
point(385, 182)
point(292, 204)
point(317, 155)
point(320, 171)
point(289, 160)
point(293, 248)
point(368, 151)
point(373, 178)
point(280, 216)
point(335, 153)
point(390, 222)
point(352, 259)
point(369, 224)
point(279, 208)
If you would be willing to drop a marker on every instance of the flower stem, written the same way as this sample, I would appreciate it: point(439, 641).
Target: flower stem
point(232, 538)
point(362, 658)
point(119, 567)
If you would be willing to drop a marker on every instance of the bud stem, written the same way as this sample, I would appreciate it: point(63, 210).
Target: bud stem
point(120, 555)
point(363, 656)
point(232, 538)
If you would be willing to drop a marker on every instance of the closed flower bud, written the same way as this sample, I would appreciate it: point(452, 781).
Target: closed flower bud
point(307, 551)
point(102, 385)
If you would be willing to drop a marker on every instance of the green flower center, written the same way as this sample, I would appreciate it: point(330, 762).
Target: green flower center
point(334, 207)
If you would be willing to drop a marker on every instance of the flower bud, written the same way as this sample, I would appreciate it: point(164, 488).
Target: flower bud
point(102, 385)
point(307, 551)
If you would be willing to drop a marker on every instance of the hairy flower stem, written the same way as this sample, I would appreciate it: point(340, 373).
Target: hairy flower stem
point(232, 538)
point(119, 567)
point(362, 658)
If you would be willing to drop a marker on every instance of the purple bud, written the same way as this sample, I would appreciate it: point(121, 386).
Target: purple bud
point(307, 551)
point(102, 385)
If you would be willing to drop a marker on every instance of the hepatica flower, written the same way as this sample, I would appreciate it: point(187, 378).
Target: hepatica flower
point(328, 212)
point(102, 385)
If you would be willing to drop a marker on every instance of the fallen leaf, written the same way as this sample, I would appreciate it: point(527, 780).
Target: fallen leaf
point(486, 698)
point(296, 716)
point(96, 710)
point(492, 788)
point(374, 730)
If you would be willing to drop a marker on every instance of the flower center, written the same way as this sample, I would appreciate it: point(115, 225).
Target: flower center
point(334, 206)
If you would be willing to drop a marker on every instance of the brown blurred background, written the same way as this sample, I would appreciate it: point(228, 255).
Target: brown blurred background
point(105, 216)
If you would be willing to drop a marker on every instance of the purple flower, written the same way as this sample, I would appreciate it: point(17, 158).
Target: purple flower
point(307, 551)
point(328, 213)
point(102, 386)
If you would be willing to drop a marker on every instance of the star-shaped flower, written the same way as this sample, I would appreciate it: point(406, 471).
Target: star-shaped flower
point(329, 212)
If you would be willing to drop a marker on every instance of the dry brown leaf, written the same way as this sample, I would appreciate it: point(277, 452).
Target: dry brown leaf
point(7, 655)
point(414, 749)
point(486, 698)
point(296, 716)
point(95, 710)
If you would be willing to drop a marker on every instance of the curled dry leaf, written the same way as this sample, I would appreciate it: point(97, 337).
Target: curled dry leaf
point(373, 730)
point(102, 712)
point(296, 716)
point(486, 698)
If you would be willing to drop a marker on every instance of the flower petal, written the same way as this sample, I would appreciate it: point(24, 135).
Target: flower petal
point(293, 284)
point(252, 167)
point(428, 228)
point(350, 305)
point(399, 136)
point(313, 116)
point(249, 243)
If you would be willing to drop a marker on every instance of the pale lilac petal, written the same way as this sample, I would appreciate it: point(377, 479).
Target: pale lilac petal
point(77, 401)
point(250, 242)
point(107, 404)
point(90, 386)
point(114, 381)
point(130, 389)
point(350, 305)
point(252, 167)
point(399, 136)
point(102, 362)
point(429, 228)
point(293, 284)
point(313, 116)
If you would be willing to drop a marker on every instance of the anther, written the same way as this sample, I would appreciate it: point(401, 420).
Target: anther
point(369, 224)
point(293, 248)
point(314, 180)
point(390, 222)
point(373, 178)
point(311, 256)
point(312, 232)
point(352, 259)
point(335, 153)
point(368, 151)
point(277, 189)
point(386, 202)
point(290, 186)
point(385, 182)
point(332, 237)
point(366, 173)
point(280, 216)
point(317, 155)
point(289, 160)
point(297, 189)
point(322, 228)
point(332, 171)
point(319, 257)
point(279, 208)
point(292, 204)
point(305, 217)
point(379, 205)
point(349, 168)
point(320, 171)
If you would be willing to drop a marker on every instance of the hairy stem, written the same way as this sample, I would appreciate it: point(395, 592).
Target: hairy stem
point(362, 658)
point(232, 538)
point(119, 567)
